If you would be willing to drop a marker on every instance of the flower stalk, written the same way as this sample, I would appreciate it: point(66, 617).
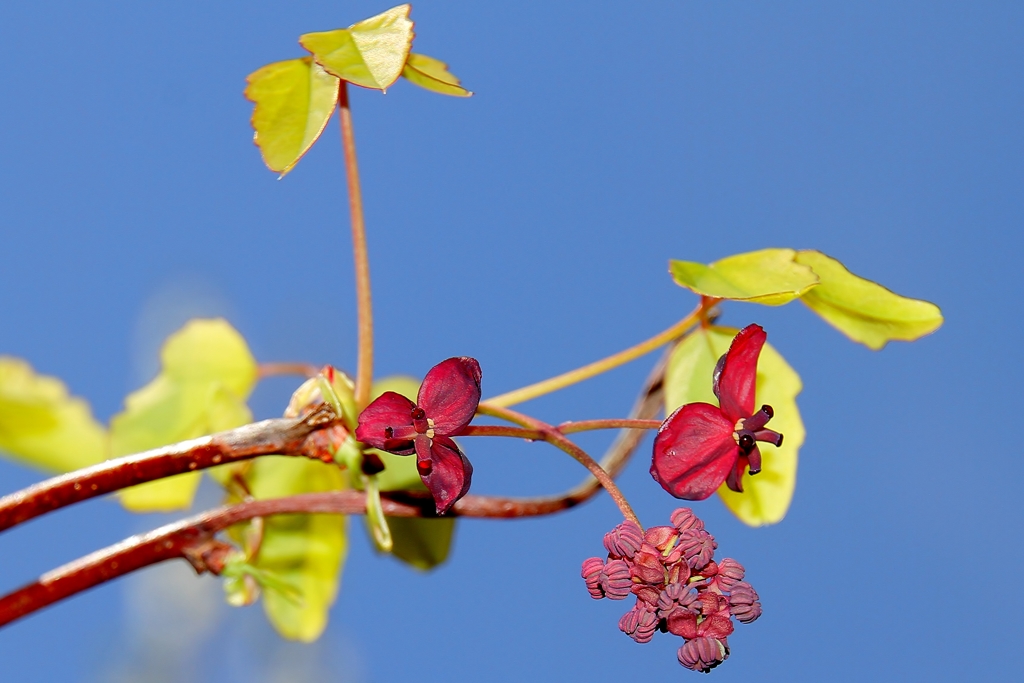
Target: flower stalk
point(364, 301)
point(613, 361)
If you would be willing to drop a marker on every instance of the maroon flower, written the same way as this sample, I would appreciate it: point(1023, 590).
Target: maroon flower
point(446, 403)
point(700, 445)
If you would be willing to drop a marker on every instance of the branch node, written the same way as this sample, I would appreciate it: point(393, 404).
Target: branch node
point(208, 555)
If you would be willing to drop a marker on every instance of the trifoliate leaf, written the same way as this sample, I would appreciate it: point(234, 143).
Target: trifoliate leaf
point(304, 552)
point(688, 378)
point(206, 376)
point(371, 53)
point(768, 276)
point(433, 74)
point(863, 310)
point(42, 426)
point(294, 100)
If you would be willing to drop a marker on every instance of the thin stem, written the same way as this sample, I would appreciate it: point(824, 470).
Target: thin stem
point(596, 368)
point(614, 423)
point(497, 430)
point(306, 370)
point(597, 471)
point(364, 302)
point(509, 415)
point(559, 440)
point(282, 436)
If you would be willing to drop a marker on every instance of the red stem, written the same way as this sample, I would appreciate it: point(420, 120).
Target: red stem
point(189, 537)
point(282, 436)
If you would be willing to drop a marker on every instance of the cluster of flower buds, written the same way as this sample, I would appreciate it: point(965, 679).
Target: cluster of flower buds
point(679, 588)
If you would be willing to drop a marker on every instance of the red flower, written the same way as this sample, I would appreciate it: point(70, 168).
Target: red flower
point(700, 445)
point(446, 403)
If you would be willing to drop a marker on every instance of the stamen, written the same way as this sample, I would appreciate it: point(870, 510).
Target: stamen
point(769, 436)
point(424, 467)
point(759, 419)
point(746, 442)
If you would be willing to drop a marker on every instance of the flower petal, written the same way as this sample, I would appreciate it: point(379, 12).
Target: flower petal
point(694, 451)
point(448, 473)
point(735, 479)
point(450, 393)
point(718, 625)
point(387, 424)
point(734, 384)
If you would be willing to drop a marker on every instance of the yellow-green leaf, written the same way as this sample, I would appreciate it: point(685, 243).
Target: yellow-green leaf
point(863, 310)
point(305, 552)
point(206, 376)
point(371, 53)
point(42, 426)
point(768, 276)
point(433, 74)
point(294, 100)
point(688, 378)
point(421, 543)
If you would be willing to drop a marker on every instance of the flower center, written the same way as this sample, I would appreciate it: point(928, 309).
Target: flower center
point(749, 430)
point(421, 423)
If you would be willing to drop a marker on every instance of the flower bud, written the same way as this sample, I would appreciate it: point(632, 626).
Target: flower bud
point(698, 547)
point(703, 654)
point(591, 573)
point(616, 580)
point(744, 603)
point(730, 573)
point(624, 540)
point(676, 596)
point(639, 624)
point(684, 520)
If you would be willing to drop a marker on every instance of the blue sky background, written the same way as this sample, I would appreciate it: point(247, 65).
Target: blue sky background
point(530, 227)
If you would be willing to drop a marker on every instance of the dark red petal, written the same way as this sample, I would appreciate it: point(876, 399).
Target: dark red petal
point(735, 479)
point(738, 377)
point(387, 424)
point(449, 473)
point(450, 393)
point(694, 451)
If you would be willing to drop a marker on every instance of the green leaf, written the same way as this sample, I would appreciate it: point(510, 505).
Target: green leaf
point(768, 276)
point(433, 74)
point(421, 543)
point(207, 374)
point(371, 53)
point(304, 552)
point(42, 426)
point(294, 100)
point(767, 495)
point(863, 310)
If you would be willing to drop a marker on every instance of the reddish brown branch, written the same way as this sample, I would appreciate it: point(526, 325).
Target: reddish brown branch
point(306, 370)
point(184, 539)
point(188, 538)
point(284, 436)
